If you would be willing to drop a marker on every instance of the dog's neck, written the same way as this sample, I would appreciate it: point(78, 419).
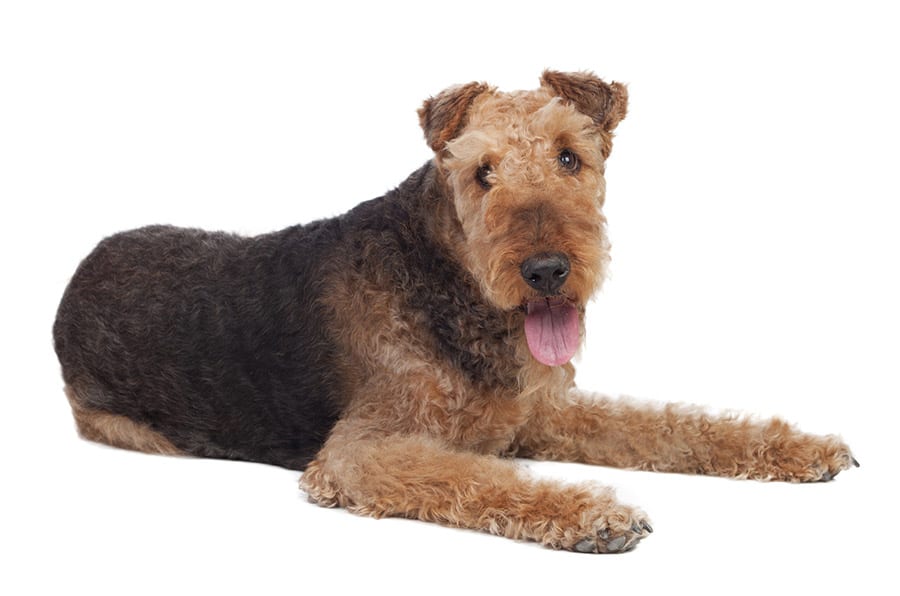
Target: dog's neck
point(481, 339)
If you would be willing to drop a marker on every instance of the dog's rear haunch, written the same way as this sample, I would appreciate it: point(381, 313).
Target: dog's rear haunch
point(402, 353)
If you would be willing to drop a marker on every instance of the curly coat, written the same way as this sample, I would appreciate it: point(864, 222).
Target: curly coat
point(395, 351)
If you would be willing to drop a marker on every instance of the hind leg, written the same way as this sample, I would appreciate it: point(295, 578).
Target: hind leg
point(116, 430)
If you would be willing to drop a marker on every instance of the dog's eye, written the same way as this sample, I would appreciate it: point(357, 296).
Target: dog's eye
point(481, 175)
point(569, 161)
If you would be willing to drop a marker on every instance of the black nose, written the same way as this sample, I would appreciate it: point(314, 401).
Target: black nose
point(546, 272)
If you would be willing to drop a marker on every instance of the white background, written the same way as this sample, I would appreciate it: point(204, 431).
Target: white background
point(753, 208)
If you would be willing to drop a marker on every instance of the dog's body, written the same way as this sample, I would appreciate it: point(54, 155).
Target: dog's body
point(393, 352)
point(231, 321)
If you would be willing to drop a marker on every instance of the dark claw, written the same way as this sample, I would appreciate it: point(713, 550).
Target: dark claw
point(827, 477)
point(855, 463)
point(647, 527)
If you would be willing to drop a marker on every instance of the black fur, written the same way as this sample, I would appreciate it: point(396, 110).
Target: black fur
point(225, 344)
point(399, 233)
point(185, 331)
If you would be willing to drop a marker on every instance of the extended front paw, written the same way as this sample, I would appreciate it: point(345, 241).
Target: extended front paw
point(611, 539)
point(792, 456)
point(603, 526)
point(828, 463)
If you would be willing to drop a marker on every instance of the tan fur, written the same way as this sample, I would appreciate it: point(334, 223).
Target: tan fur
point(626, 434)
point(117, 431)
point(419, 440)
point(425, 397)
point(424, 478)
point(534, 205)
point(433, 404)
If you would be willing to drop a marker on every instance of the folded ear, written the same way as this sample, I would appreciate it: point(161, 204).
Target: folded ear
point(606, 103)
point(443, 116)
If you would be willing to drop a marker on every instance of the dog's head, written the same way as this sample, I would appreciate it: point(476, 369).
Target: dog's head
point(526, 174)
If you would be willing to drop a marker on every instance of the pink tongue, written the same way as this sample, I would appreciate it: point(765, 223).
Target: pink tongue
point(552, 331)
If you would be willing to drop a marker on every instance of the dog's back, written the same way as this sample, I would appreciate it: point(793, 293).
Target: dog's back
point(167, 337)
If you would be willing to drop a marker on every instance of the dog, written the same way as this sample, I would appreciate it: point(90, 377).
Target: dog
point(402, 353)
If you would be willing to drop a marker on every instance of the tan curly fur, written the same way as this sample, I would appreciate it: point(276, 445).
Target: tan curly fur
point(388, 352)
point(117, 431)
point(418, 440)
point(533, 205)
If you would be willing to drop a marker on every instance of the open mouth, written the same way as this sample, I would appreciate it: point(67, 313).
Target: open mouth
point(552, 329)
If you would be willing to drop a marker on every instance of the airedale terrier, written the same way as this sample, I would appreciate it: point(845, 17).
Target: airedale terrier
point(401, 354)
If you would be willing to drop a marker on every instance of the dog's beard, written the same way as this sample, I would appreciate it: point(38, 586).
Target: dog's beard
point(552, 329)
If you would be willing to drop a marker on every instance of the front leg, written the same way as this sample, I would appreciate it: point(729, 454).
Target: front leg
point(419, 477)
point(626, 434)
